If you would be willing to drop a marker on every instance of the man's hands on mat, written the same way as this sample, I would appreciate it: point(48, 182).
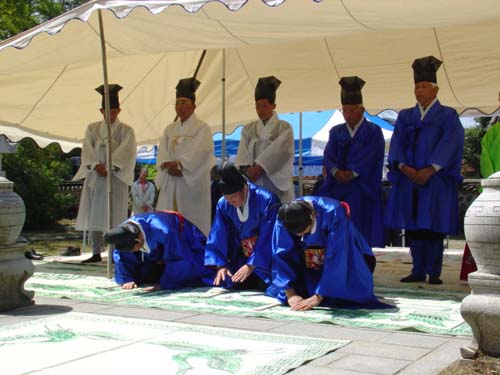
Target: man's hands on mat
point(129, 285)
point(243, 273)
point(297, 303)
point(221, 275)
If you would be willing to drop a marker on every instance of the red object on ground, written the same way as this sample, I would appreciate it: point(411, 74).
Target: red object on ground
point(468, 264)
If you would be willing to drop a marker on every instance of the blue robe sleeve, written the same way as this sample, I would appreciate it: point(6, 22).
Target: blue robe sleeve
point(261, 258)
point(286, 262)
point(127, 267)
point(132, 266)
point(366, 158)
point(217, 248)
point(450, 145)
point(398, 144)
point(332, 151)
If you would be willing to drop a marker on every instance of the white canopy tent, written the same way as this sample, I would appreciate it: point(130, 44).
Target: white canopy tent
point(47, 80)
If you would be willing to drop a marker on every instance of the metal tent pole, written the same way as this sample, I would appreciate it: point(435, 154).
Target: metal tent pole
point(301, 182)
point(109, 164)
point(223, 83)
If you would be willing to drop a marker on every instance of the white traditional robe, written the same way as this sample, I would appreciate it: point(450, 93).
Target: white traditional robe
point(272, 147)
point(93, 210)
point(142, 195)
point(191, 143)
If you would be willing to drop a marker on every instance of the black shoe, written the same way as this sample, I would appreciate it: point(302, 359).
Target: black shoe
point(93, 259)
point(33, 255)
point(412, 279)
point(435, 280)
point(71, 252)
point(34, 252)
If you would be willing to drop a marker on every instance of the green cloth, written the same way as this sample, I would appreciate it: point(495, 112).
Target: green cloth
point(433, 311)
point(80, 343)
point(490, 151)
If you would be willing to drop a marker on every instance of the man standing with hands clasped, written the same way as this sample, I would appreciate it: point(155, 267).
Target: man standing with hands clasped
point(266, 148)
point(93, 210)
point(425, 159)
point(354, 156)
point(185, 157)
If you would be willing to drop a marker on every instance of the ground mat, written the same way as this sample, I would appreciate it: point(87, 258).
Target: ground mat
point(415, 310)
point(75, 343)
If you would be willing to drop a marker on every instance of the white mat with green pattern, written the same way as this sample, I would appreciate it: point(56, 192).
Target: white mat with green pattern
point(76, 343)
point(423, 311)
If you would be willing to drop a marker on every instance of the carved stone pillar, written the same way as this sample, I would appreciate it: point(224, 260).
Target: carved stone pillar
point(481, 309)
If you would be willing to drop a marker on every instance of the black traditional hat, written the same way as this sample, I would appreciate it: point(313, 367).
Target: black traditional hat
point(186, 88)
point(295, 216)
point(425, 68)
point(114, 102)
point(351, 90)
point(123, 236)
point(266, 88)
point(231, 180)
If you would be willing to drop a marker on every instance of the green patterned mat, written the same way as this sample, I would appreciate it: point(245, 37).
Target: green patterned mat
point(415, 310)
point(76, 343)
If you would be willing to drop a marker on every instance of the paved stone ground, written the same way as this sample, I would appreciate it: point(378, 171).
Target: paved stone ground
point(371, 351)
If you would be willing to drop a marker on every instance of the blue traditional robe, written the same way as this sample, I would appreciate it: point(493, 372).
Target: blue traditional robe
point(437, 139)
point(234, 242)
point(329, 261)
point(171, 240)
point(364, 155)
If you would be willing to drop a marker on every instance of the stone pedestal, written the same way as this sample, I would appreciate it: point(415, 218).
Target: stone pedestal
point(15, 269)
point(481, 309)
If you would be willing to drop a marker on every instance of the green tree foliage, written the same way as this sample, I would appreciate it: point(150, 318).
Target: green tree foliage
point(15, 16)
point(472, 145)
point(20, 15)
point(36, 174)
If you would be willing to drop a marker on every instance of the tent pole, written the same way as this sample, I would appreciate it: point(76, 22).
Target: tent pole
point(109, 164)
point(223, 82)
point(301, 182)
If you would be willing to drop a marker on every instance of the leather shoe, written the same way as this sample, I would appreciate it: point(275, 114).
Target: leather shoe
point(412, 279)
point(32, 254)
point(435, 280)
point(93, 259)
point(71, 252)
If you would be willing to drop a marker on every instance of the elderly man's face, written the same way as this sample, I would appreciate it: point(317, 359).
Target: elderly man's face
point(425, 92)
point(353, 113)
point(184, 107)
point(264, 109)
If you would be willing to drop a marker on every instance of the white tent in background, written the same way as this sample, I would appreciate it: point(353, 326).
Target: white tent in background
point(47, 74)
point(15, 134)
point(320, 139)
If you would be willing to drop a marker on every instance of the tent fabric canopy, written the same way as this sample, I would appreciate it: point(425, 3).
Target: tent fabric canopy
point(48, 73)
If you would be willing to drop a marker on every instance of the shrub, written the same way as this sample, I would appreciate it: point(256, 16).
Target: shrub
point(36, 174)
